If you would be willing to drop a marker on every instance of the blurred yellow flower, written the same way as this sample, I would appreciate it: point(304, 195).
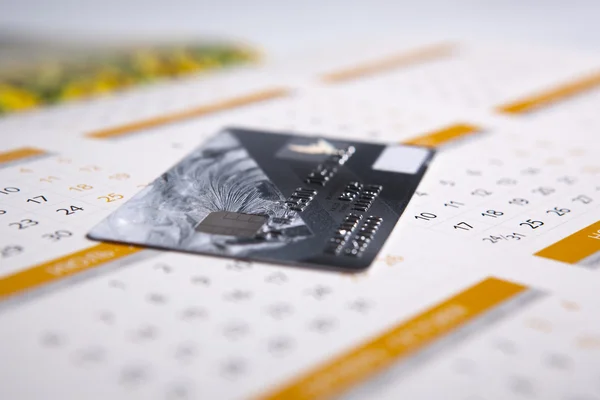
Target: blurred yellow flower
point(148, 64)
point(75, 90)
point(184, 63)
point(56, 80)
point(12, 98)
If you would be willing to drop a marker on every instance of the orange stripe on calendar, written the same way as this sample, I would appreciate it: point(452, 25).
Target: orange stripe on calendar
point(357, 365)
point(20, 154)
point(213, 108)
point(62, 267)
point(404, 59)
point(551, 96)
point(576, 247)
point(444, 136)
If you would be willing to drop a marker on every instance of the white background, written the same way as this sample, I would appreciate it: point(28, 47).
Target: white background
point(279, 26)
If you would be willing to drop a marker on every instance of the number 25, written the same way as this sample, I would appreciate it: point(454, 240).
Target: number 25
point(111, 197)
point(532, 224)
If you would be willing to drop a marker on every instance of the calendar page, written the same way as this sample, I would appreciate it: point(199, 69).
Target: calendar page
point(487, 286)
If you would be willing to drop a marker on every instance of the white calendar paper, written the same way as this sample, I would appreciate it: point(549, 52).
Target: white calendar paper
point(509, 208)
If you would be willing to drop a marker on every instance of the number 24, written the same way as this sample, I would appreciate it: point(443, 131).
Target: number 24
point(72, 210)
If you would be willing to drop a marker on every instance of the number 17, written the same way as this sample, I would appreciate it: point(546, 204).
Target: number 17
point(463, 225)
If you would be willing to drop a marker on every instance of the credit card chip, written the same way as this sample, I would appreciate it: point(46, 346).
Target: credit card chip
point(232, 224)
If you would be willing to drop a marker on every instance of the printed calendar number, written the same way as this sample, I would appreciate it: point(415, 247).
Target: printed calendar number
point(519, 202)
point(111, 197)
point(426, 216)
point(515, 236)
point(493, 239)
point(57, 235)
point(24, 224)
point(10, 251)
point(9, 190)
point(533, 224)
point(530, 171)
point(81, 187)
point(506, 182)
point(277, 278)
point(582, 198)
point(38, 200)
point(544, 190)
point(119, 177)
point(447, 183)
point(568, 180)
point(558, 211)
point(239, 265)
point(454, 204)
point(49, 179)
point(90, 168)
point(70, 211)
point(481, 192)
point(492, 213)
point(464, 226)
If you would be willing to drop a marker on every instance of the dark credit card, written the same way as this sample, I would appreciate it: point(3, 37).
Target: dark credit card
point(276, 198)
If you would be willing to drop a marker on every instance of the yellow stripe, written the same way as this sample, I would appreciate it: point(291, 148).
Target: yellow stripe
point(400, 60)
point(19, 154)
point(349, 369)
point(551, 96)
point(443, 136)
point(219, 106)
point(64, 266)
point(575, 247)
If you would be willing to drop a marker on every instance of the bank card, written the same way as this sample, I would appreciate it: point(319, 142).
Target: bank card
point(275, 197)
